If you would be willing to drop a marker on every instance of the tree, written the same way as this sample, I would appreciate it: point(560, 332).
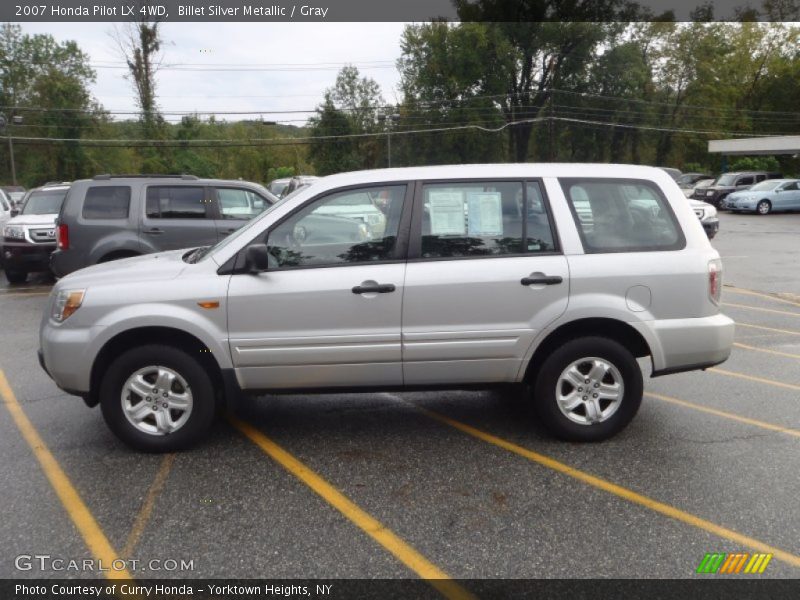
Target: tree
point(351, 107)
point(46, 82)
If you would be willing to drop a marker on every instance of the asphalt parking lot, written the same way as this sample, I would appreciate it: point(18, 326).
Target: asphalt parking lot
point(458, 484)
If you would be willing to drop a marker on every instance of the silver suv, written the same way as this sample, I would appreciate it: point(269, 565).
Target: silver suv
point(553, 277)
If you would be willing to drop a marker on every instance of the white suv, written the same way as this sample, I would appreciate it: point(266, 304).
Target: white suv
point(556, 277)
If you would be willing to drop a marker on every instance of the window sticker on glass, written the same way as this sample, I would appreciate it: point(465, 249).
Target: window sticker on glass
point(485, 213)
point(447, 212)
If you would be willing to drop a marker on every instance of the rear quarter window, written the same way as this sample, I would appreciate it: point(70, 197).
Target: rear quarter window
point(107, 202)
point(614, 215)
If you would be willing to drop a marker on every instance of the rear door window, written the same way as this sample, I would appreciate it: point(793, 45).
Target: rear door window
point(622, 215)
point(107, 202)
point(176, 202)
point(484, 218)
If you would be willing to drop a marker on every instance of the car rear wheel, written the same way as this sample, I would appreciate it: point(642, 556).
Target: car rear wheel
point(588, 390)
point(16, 276)
point(764, 207)
point(157, 398)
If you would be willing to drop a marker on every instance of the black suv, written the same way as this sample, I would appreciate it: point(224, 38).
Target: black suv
point(118, 216)
point(732, 182)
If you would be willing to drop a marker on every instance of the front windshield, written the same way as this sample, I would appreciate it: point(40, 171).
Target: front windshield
point(726, 180)
point(242, 230)
point(765, 186)
point(44, 203)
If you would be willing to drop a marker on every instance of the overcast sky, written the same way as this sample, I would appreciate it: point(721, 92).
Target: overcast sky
point(373, 47)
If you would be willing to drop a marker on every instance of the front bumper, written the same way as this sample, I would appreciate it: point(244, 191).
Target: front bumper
point(66, 356)
point(24, 256)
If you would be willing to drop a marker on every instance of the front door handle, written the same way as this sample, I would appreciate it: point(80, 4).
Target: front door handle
point(154, 231)
point(542, 280)
point(377, 288)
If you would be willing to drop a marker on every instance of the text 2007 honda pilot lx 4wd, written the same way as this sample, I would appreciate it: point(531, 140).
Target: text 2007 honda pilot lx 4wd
point(555, 276)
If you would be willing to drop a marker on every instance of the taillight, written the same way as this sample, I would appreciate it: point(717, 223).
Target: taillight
point(62, 237)
point(715, 280)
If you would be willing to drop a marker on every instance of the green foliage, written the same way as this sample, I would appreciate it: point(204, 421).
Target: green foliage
point(755, 163)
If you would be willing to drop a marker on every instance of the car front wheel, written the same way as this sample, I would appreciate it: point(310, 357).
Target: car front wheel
point(588, 390)
point(157, 398)
point(764, 207)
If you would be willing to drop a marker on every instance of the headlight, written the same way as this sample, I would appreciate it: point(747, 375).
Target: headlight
point(67, 302)
point(14, 231)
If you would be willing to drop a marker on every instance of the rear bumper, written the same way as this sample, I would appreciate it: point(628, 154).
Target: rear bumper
point(691, 344)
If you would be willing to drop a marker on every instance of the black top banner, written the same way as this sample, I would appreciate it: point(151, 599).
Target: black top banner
point(393, 10)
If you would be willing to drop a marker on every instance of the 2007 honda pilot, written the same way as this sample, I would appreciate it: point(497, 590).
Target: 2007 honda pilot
point(555, 276)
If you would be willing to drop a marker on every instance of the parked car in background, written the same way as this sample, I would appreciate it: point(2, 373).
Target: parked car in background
point(674, 173)
point(362, 207)
point(733, 182)
point(699, 189)
point(298, 182)
point(15, 193)
point(774, 195)
point(689, 180)
point(277, 186)
point(708, 216)
point(30, 237)
point(112, 217)
point(554, 306)
point(5, 209)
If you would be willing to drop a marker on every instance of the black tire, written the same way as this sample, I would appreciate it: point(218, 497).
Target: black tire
point(545, 389)
point(198, 382)
point(16, 276)
point(764, 207)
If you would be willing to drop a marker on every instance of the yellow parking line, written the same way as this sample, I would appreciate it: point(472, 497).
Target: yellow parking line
point(746, 292)
point(767, 350)
point(725, 415)
point(760, 309)
point(750, 325)
point(619, 491)
point(147, 506)
point(368, 524)
point(80, 514)
point(788, 386)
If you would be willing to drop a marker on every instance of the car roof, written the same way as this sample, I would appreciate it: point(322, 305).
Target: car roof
point(493, 171)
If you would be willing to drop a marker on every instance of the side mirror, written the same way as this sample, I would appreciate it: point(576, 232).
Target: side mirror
point(257, 259)
point(14, 212)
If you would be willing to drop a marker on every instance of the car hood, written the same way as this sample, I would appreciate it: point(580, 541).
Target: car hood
point(698, 204)
point(150, 267)
point(46, 220)
point(747, 194)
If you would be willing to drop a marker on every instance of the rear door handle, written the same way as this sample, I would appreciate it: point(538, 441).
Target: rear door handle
point(381, 288)
point(154, 231)
point(542, 280)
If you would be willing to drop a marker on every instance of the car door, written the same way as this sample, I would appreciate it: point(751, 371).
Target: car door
point(327, 311)
point(177, 216)
point(476, 295)
point(789, 196)
point(235, 206)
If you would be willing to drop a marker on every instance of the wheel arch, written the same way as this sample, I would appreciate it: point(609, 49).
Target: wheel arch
point(614, 329)
point(140, 336)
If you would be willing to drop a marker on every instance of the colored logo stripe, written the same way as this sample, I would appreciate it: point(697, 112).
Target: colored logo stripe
point(721, 562)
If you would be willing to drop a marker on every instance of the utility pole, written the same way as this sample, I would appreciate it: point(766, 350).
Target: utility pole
point(388, 119)
point(5, 127)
